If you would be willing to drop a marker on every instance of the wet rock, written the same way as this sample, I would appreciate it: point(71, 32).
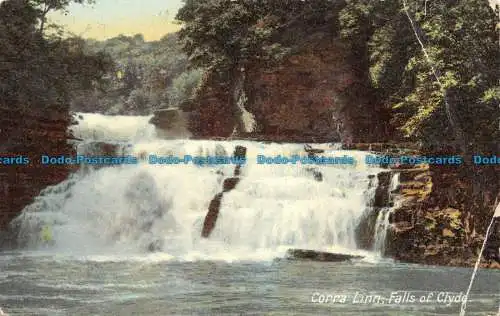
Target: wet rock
point(313, 255)
point(230, 183)
point(211, 217)
point(219, 172)
point(31, 134)
point(312, 152)
point(240, 151)
point(220, 150)
point(382, 194)
point(102, 149)
point(318, 176)
point(237, 171)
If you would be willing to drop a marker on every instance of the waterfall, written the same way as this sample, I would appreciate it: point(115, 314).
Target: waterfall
point(382, 224)
point(135, 208)
point(94, 126)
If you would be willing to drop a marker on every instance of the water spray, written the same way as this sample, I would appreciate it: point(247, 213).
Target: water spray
point(496, 213)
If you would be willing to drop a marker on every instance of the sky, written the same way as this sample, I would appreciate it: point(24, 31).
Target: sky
point(109, 18)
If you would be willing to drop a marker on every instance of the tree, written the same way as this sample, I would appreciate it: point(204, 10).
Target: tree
point(461, 42)
point(37, 71)
point(43, 8)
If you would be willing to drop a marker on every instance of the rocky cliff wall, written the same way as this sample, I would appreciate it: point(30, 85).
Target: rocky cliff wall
point(443, 216)
point(439, 214)
point(319, 91)
point(30, 133)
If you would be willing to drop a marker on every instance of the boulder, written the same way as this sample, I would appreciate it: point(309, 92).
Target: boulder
point(240, 152)
point(228, 185)
point(31, 133)
point(382, 194)
point(313, 255)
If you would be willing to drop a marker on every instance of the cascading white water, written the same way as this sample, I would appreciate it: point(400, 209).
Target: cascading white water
point(128, 208)
point(382, 224)
point(99, 127)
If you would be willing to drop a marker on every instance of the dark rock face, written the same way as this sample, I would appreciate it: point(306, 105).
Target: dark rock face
point(382, 192)
point(492, 250)
point(155, 246)
point(31, 134)
point(213, 113)
point(443, 211)
point(228, 185)
point(365, 231)
point(443, 217)
point(211, 218)
point(311, 152)
point(240, 151)
point(320, 93)
point(313, 255)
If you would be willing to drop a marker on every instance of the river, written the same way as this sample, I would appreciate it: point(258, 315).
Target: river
point(103, 221)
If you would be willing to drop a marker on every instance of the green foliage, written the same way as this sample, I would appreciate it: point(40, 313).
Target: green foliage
point(37, 71)
point(461, 41)
point(225, 35)
point(145, 76)
point(183, 87)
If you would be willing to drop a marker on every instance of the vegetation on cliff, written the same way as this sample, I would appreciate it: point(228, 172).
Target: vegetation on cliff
point(144, 76)
point(39, 72)
point(39, 69)
point(446, 101)
point(225, 36)
point(461, 41)
point(455, 113)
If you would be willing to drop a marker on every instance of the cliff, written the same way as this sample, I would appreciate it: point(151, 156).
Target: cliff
point(30, 133)
point(442, 216)
point(439, 214)
point(318, 92)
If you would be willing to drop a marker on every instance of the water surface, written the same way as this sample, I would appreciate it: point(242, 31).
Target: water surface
point(42, 284)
